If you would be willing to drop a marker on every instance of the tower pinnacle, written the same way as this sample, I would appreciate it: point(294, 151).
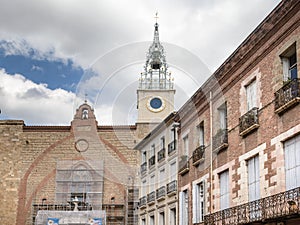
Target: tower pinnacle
point(156, 75)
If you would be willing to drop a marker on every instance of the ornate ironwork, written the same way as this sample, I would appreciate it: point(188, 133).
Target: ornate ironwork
point(156, 74)
point(161, 192)
point(249, 121)
point(287, 96)
point(220, 140)
point(151, 197)
point(143, 201)
point(144, 167)
point(152, 161)
point(171, 147)
point(184, 165)
point(161, 154)
point(172, 187)
point(284, 204)
point(198, 153)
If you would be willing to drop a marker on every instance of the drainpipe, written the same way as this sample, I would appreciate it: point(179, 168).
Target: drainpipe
point(211, 145)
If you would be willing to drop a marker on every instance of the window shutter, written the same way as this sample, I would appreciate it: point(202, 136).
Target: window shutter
point(181, 208)
point(285, 68)
point(292, 162)
point(195, 203)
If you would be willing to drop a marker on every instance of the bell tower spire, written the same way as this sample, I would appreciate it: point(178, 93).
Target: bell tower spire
point(156, 75)
point(156, 87)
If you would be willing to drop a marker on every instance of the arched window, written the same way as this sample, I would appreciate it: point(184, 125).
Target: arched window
point(85, 114)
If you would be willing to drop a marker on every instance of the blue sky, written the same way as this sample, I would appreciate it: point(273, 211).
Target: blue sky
point(46, 47)
point(55, 73)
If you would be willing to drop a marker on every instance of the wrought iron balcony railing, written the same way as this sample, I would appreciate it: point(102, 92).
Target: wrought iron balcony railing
point(161, 193)
point(144, 167)
point(171, 147)
point(198, 155)
point(152, 161)
point(151, 198)
point(143, 201)
point(172, 187)
point(184, 165)
point(161, 155)
point(287, 96)
point(220, 140)
point(285, 204)
point(249, 121)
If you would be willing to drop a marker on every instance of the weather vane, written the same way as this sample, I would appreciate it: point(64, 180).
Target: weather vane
point(156, 16)
point(85, 97)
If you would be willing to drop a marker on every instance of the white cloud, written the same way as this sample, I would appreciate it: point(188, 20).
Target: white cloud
point(86, 30)
point(33, 103)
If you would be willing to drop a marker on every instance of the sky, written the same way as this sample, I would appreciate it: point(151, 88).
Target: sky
point(54, 54)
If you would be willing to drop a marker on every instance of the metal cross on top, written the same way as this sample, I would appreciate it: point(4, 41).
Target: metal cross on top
point(156, 17)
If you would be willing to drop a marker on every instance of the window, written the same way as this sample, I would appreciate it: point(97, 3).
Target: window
point(162, 177)
point(162, 142)
point(162, 218)
point(292, 162)
point(289, 63)
point(224, 190)
point(223, 116)
point(152, 183)
point(198, 202)
point(186, 145)
point(253, 178)
point(144, 157)
point(251, 95)
point(152, 222)
point(173, 171)
point(200, 129)
point(143, 221)
point(172, 216)
point(144, 188)
point(85, 114)
point(152, 150)
point(183, 207)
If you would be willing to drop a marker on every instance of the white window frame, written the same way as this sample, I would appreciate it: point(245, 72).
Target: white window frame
point(251, 94)
point(224, 190)
point(292, 162)
point(186, 145)
point(223, 116)
point(198, 202)
point(253, 178)
point(183, 207)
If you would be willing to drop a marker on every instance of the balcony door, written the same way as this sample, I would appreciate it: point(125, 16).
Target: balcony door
point(254, 188)
point(292, 162)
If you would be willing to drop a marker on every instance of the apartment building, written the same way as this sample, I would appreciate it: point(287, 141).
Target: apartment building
point(239, 135)
point(158, 175)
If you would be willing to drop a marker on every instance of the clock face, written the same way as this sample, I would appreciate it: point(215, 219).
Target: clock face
point(81, 145)
point(156, 104)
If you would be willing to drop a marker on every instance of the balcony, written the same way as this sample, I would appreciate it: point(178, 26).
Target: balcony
point(220, 140)
point(273, 208)
point(184, 165)
point(143, 202)
point(161, 155)
point(151, 198)
point(152, 161)
point(143, 167)
point(171, 147)
point(172, 188)
point(198, 155)
point(287, 96)
point(249, 122)
point(161, 193)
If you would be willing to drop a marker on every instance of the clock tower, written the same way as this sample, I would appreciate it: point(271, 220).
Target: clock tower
point(155, 94)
